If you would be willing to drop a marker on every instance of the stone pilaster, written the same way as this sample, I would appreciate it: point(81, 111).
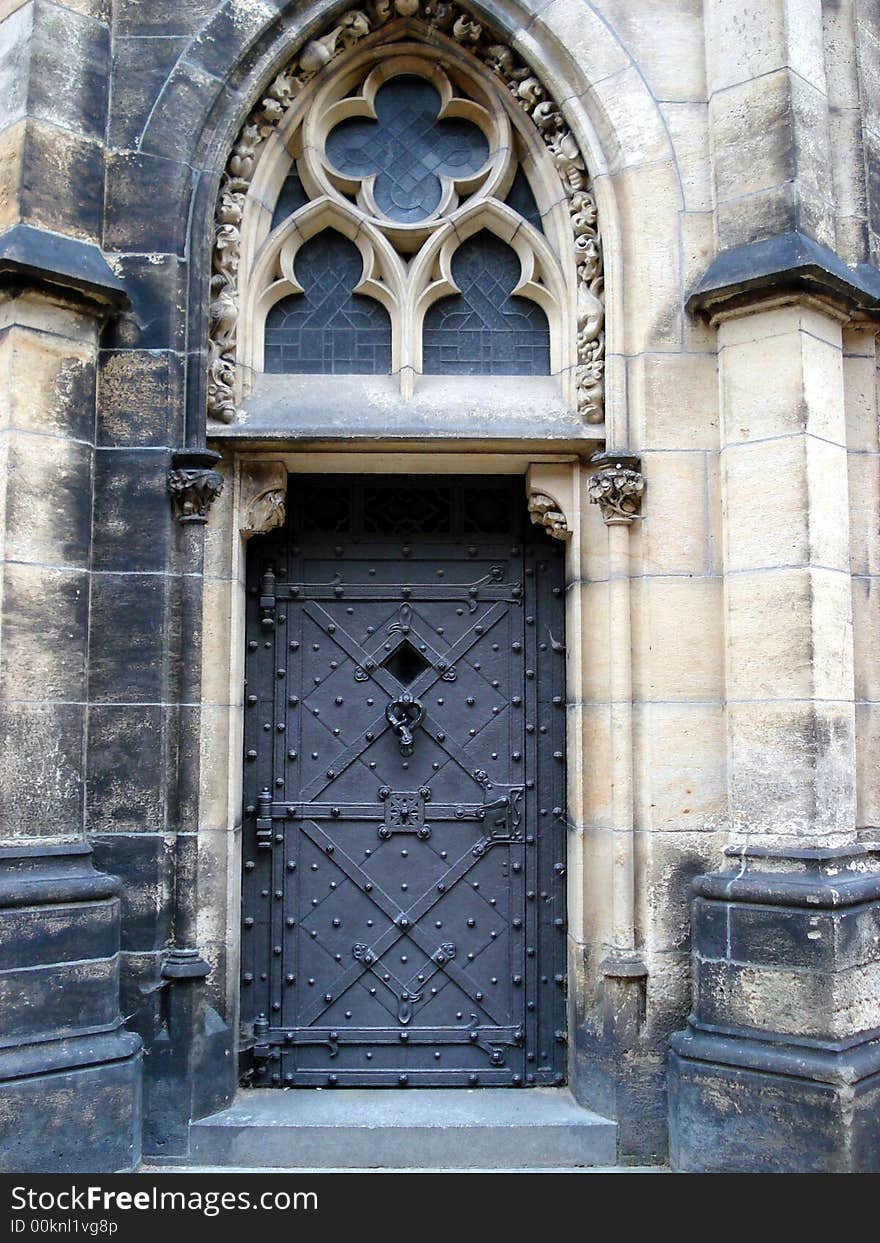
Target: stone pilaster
point(69, 1072)
point(777, 1068)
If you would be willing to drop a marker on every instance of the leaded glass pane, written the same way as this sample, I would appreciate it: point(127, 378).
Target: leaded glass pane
point(484, 330)
point(406, 148)
point(327, 329)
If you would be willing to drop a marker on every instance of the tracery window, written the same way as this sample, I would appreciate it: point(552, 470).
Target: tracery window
point(402, 207)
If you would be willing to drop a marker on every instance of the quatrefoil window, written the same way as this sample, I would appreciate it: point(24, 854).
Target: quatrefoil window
point(408, 152)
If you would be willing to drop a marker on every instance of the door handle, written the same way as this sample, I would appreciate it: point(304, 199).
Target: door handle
point(404, 714)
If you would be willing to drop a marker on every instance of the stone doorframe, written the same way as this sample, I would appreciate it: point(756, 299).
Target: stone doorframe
point(558, 489)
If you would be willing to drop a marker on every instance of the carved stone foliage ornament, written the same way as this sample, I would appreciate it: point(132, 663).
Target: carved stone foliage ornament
point(297, 116)
point(550, 498)
point(546, 511)
point(618, 489)
point(193, 485)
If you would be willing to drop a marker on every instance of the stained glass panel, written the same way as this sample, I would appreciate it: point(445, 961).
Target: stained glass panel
point(406, 148)
point(328, 330)
point(484, 330)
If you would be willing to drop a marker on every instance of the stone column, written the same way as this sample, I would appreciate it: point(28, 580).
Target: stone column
point(609, 1041)
point(777, 1069)
point(69, 1072)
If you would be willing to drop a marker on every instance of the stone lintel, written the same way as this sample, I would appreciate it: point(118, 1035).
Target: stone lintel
point(32, 256)
point(787, 263)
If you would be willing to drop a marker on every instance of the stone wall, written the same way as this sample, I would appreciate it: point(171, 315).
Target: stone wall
point(734, 157)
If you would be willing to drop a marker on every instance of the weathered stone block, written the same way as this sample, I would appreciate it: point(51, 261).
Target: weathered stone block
point(48, 500)
point(679, 764)
point(50, 383)
point(156, 285)
point(738, 1120)
point(67, 84)
point(45, 629)
point(672, 537)
point(801, 392)
point(809, 477)
point(128, 640)
point(664, 51)
point(79, 1121)
point(143, 861)
point(864, 503)
point(178, 119)
point(133, 520)
point(807, 654)
point(140, 398)
point(791, 770)
point(15, 34)
point(41, 748)
point(867, 743)
point(780, 1058)
point(62, 181)
point(139, 70)
point(677, 627)
point(674, 398)
point(126, 778)
point(32, 936)
point(70, 1085)
point(163, 17)
point(147, 203)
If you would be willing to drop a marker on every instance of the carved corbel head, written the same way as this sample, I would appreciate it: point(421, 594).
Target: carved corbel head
point(262, 498)
point(548, 492)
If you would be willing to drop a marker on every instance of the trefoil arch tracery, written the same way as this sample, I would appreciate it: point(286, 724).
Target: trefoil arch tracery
point(488, 152)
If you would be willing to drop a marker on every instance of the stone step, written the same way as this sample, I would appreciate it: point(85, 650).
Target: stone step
point(437, 1129)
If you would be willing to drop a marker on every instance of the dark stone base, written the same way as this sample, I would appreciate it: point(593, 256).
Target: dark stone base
point(619, 1067)
point(84, 1119)
point(746, 1106)
point(778, 1070)
point(70, 1075)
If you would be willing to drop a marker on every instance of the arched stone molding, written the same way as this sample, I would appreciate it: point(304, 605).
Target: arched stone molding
point(292, 122)
point(574, 50)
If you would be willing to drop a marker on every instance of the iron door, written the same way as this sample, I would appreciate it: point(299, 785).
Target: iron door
point(404, 830)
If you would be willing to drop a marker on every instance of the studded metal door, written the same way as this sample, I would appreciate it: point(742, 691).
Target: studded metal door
point(404, 832)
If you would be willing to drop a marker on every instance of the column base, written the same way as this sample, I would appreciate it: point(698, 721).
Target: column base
point(778, 1070)
point(71, 1106)
point(741, 1105)
point(618, 1069)
point(70, 1075)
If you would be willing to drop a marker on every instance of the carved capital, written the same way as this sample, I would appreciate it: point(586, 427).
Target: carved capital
point(193, 485)
point(548, 489)
point(617, 487)
point(263, 495)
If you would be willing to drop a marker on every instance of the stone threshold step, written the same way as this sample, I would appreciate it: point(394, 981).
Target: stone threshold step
point(418, 1129)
